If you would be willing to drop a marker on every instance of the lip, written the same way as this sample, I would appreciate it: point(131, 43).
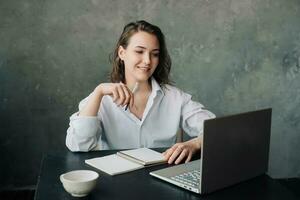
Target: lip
point(144, 68)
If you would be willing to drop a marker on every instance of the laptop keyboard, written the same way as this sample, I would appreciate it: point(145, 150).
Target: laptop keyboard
point(191, 178)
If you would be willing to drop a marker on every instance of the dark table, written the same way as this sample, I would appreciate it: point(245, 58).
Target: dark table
point(140, 185)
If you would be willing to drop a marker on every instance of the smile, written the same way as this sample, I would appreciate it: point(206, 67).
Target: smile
point(144, 68)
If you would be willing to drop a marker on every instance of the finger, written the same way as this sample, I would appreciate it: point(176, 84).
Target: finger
point(127, 95)
point(188, 159)
point(175, 154)
point(131, 103)
point(167, 154)
point(183, 154)
point(170, 151)
point(121, 95)
point(115, 94)
point(164, 155)
point(131, 100)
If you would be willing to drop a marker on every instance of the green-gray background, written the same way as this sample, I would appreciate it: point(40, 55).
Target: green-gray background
point(231, 55)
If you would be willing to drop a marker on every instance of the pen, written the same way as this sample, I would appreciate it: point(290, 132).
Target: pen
point(133, 91)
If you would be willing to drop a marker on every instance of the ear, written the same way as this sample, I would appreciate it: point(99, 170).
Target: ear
point(121, 52)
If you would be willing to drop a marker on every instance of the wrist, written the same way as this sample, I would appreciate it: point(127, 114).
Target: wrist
point(98, 91)
point(197, 143)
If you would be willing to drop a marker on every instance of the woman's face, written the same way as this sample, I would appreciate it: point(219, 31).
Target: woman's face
point(141, 57)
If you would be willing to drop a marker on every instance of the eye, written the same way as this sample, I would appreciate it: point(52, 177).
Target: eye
point(139, 52)
point(155, 54)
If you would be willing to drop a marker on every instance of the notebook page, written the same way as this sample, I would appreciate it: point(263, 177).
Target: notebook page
point(113, 164)
point(146, 155)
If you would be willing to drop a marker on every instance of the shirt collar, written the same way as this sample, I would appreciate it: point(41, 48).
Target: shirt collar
point(155, 86)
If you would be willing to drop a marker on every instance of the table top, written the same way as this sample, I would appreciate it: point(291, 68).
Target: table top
point(139, 184)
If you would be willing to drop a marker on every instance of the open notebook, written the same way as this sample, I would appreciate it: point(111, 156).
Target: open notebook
point(126, 161)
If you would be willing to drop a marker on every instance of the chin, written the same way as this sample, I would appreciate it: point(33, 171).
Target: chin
point(142, 78)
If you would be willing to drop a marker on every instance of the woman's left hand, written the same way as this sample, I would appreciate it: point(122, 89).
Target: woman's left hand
point(182, 151)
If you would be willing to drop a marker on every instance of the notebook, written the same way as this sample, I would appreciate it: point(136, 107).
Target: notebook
point(126, 161)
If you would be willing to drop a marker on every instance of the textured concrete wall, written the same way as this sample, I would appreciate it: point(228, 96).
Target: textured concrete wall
point(232, 55)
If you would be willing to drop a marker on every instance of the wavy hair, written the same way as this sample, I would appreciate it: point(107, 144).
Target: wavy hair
point(161, 73)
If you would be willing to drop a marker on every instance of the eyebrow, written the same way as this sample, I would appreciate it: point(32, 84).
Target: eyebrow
point(146, 48)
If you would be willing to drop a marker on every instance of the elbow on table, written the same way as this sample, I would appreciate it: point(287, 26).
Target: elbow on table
point(77, 143)
point(78, 148)
point(72, 148)
point(75, 146)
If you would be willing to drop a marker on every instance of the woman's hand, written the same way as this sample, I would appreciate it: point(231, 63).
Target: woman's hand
point(182, 151)
point(119, 92)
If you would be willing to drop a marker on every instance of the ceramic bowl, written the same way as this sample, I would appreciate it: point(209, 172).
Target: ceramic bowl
point(79, 183)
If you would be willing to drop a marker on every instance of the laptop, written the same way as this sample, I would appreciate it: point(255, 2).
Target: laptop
point(234, 149)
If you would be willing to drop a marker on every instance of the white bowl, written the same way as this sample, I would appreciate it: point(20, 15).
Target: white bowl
point(79, 183)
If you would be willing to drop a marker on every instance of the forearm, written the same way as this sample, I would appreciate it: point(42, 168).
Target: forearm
point(92, 107)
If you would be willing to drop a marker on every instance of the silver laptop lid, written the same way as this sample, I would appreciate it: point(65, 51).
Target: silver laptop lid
point(235, 148)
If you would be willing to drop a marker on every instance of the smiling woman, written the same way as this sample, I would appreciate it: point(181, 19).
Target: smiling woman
point(157, 110)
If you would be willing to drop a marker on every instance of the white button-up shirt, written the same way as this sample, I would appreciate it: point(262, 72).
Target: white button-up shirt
point(167, 111)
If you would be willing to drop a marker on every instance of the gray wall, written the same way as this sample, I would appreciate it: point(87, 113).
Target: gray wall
point(231, 55)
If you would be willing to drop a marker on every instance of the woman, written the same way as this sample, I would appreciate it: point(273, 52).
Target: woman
point(139, 108)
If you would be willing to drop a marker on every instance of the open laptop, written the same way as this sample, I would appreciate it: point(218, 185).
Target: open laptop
point(234, 148)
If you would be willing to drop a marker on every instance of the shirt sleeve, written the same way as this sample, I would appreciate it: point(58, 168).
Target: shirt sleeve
point(193, 115)
point(84, 131)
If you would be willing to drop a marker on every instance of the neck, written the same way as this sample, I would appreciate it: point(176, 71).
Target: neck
point(143, 86)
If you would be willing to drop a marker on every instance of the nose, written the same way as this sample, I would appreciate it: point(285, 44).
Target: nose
point(147, 59)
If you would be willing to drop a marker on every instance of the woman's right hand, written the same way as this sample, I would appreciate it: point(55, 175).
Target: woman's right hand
point(119, 92)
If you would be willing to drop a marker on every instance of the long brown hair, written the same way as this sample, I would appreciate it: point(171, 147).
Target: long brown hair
point(161, 73)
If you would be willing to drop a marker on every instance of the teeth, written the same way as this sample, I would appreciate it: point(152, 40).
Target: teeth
point(144, 68)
